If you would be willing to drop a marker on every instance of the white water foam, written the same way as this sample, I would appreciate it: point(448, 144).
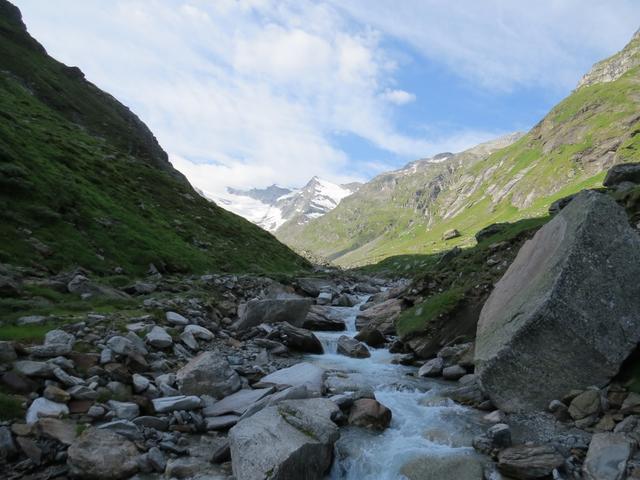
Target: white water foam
point(424, 424)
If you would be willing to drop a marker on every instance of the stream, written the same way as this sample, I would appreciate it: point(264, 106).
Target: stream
point(429, 435)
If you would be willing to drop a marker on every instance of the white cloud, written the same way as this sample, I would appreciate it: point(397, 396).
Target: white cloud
point(399, 97)
point(252, 92)
point(506, 44)
point(242, 93)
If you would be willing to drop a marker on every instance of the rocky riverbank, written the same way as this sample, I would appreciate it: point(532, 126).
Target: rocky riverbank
point(247, 377)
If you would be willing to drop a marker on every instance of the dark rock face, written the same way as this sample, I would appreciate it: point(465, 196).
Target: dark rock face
point(567, 312)
point(626, 172)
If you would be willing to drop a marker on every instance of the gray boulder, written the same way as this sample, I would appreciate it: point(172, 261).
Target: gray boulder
point(176, 319)
point(208, 374)
point(369, 413)
point(127, 346)
point(222, 422)
point(296, 338)
point(199, 332)
point(126, 410)
point(586, 404)
point(607, 456)
point(567, 311)
point(56, 343)
point(431, 368)
point(255, 312)
point(290, 393)
point(381, 316)
point(301, 374)
point(352, 348)
point(101, 454)
point(30, 368)
point(180, 402)
point(319, 318)
point(237, 403)
point(290, 441)
point(313, 286)
point(159, 338)
point(371, 336)
point(41, 407)
point(454, 372)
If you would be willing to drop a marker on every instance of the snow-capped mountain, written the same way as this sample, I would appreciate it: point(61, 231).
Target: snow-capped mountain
point(273, 206)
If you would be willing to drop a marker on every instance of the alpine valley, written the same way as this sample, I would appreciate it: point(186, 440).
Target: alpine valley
point(470, 316)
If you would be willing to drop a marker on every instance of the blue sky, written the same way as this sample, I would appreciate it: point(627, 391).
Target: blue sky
point(246, 93)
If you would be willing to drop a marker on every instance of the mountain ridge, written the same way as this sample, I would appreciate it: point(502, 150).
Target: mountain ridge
point(85, 182)
point(279, 206)
point(592, 129)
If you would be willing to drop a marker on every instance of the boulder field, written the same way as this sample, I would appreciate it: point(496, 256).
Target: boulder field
point(235, 387)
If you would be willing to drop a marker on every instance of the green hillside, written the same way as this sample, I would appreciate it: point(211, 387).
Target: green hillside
point(594, 128)
point(84, 182)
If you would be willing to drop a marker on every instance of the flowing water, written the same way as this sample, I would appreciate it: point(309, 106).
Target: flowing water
point(427, 431)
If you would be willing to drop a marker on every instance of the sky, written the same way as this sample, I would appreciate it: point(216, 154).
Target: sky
point(247, 93)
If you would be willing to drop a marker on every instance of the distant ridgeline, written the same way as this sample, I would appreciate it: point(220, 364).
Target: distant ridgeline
point(519, 176)
point(84, 182)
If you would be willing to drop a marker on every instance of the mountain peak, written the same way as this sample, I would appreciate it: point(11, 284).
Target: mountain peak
point(616, 66)
point(274, 206)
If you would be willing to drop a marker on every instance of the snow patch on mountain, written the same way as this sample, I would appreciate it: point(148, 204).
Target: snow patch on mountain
point(271, 207)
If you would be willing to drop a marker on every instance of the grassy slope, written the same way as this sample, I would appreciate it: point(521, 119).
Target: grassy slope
point(592, 129)
point(81, 174)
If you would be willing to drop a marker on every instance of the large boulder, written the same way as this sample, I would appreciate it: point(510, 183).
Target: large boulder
point(319, 318)
point(208, 374)
point(381, 316)
point(290, 441)
point(625, 172)
point(607, 456)
point(237, 403)
point(371, 336)
point(56, 343)
point(296, 338)
point(101, 454)
point(314, 286)
point(42, 407)
point(255, 312)
point(369, 413)
point(566, 314)
point(301, 374)
point(352, 348)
